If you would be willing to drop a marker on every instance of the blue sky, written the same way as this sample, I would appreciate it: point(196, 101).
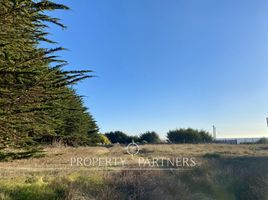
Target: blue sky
point(163, 64)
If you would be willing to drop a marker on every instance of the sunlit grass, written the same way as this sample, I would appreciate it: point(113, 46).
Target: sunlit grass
point(233, 172)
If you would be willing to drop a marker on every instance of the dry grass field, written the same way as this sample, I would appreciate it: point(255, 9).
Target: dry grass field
point(223, 172)
point(54, 158)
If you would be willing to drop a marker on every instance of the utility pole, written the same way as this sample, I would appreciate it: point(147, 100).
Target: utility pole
point(214, 132)
point(267, 121)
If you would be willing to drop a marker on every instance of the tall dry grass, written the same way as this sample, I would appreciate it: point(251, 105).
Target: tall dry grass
point(233, 172)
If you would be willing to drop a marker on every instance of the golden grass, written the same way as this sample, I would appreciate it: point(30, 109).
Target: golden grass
point(52, 177)
point(58, 158)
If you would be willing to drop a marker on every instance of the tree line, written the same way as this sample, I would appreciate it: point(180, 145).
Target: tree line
point(177, 136)
point(37, 99)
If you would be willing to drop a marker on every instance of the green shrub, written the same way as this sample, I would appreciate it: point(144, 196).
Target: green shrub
point(150, 137)
point(118, 137)
point(189, 136)
point(262, 141)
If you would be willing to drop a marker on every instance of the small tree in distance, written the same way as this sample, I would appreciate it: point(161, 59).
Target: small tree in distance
point(189, 135)
point(118, 137)
point(150, 137)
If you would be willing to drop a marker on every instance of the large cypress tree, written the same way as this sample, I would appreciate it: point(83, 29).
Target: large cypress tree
point(76, 126)
point(33, 85)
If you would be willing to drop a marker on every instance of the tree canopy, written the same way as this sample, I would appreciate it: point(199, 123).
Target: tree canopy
point(150, 137)
point(189, 135)
point(118, 137)
point(36, 98)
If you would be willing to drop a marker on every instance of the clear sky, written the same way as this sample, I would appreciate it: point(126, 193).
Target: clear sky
point(166, 64)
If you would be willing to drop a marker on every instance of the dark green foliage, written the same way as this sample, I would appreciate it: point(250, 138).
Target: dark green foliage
point(7, 156)
point(77, 126)
point(135, 139)
point(262, 141)
point(176, 136)
point(123, 138)
point(188, 136)
point(212, 155)
point(118, 137)
point(150, 137)
point(34, 96)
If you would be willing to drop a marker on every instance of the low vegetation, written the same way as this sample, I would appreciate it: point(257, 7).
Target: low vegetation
point(233, 172)
point(189, 136)
point(262, 141)
point(150, 137)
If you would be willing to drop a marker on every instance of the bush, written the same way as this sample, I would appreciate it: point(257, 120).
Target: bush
point(134, 139)
point(150, 137)
point(262, 141)
point(118, 137)
point(188, 136)
point(104, 140)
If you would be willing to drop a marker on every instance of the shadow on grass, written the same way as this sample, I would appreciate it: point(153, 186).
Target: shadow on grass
point(8, 156)
point(212, 155)
point(237, 178)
